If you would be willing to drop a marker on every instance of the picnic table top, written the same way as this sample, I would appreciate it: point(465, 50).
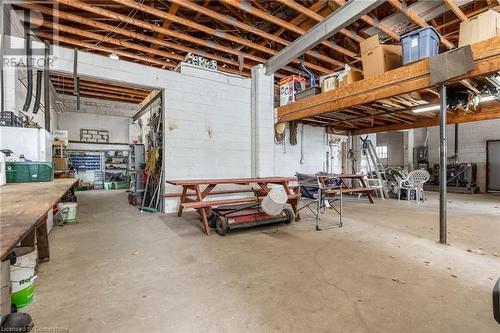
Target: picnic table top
point(22, 205)
point(242, 181)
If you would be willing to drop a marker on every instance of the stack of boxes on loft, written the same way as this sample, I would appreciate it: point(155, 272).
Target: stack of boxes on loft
point(378, 58)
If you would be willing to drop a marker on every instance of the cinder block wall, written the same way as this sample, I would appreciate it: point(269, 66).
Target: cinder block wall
point(472, 139)
point(208, 125)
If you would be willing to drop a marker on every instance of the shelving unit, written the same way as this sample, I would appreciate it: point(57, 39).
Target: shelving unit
point(116, 169)
point(89, 167)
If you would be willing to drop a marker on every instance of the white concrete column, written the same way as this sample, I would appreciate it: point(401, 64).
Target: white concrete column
point(262, 113)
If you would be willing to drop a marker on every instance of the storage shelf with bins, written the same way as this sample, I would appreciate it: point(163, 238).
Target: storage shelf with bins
point(116, 169)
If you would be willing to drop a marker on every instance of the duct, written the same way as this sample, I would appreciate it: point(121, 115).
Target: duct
point(29, 73)
point(38, 91)
point(76, 80)
point(46, 85)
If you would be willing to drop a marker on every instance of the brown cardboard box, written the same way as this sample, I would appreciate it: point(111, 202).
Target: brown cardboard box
point(381, 59)
point(369, 44)
point(351, 77)
point(329, 84)
point(484, 26)
point(60, 163)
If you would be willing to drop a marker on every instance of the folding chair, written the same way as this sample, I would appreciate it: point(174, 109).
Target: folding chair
point(312, 192)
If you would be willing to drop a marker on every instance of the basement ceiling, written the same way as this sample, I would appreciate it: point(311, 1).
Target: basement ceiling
point(64, 85)
point(237, 34)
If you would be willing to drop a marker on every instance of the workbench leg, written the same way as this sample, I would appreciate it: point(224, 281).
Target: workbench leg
point(182, 200)
point(203, 211)
point(42, 241)
point(29, 239)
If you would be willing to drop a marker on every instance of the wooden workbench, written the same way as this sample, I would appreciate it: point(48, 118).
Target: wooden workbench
point(24, 208)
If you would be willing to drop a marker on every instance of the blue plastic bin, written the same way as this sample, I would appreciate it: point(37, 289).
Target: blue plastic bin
point(420, 44)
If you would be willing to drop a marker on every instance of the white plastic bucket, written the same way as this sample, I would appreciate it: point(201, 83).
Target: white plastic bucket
point(274, 201)
point(22, 276)
point(3, 175)
point(70, 207)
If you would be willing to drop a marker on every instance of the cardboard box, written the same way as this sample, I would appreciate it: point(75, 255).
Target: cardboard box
point(289, 86)
point(350, 77)
point(369, 44)
point(484, 26)
point(329, 84)
point(60, 163)
point(381, 59)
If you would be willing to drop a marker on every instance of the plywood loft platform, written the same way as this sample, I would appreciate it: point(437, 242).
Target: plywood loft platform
point(361, 105)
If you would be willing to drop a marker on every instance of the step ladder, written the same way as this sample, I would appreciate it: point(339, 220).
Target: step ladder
point(375, 167)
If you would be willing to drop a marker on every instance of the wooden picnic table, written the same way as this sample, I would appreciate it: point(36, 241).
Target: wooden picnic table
point(347, 185)
point(196, 199)
point(23, 214)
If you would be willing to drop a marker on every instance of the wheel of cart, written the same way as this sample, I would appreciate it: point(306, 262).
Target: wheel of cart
point(290, 215)
point(221, 225)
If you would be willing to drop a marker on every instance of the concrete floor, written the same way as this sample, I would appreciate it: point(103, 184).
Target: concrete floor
point(119, 271)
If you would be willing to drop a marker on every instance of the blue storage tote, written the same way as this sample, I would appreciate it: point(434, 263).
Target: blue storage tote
point(420, 44)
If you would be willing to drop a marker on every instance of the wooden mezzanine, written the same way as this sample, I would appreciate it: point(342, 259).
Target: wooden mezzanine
point(368, 99)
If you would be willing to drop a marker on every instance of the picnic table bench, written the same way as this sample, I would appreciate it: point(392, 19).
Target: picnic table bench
point(196, 198)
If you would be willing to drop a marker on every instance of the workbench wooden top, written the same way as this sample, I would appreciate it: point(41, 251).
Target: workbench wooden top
point(23, 205)
point(243, 181)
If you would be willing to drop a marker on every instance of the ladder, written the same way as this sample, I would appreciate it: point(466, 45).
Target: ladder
point(374, 166)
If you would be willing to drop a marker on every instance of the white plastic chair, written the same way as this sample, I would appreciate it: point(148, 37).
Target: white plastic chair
point(414, 182)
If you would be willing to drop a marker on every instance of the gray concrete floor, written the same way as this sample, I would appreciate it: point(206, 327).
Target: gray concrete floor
point(120, 271)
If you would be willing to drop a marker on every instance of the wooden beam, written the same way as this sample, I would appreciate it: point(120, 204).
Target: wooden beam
point(166, 24)
point(108, 50)
point(99, 94)
point(456, 10)
point(233, 22)
point(380, 26)
point(318, 18)
point(247, 7)
point(406, 79)
point(113, 86)
point(98, 88)
point(125, 32)
point(145, 25)
point(488, 112)
point(297, 20)
point(104, 39)
point(418, 20)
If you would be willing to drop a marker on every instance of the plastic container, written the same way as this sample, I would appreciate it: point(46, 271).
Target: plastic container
point(25, 172)
point(8, 118)
point(22, 276)
point(67, 211)
point(274, 202)
point(420, 44)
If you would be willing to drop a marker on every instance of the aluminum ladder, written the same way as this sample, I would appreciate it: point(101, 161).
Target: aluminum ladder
point(375, 166)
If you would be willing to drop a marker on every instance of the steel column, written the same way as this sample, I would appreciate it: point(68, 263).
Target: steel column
point(442, 168)
point(332, 24)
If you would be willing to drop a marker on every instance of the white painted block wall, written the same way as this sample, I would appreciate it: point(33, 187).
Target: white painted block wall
point(472, 139)
point(208, 121)
point(287, 158)
point(117, 127)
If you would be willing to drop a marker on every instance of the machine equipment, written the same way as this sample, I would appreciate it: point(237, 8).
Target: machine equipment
point(462, 175)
